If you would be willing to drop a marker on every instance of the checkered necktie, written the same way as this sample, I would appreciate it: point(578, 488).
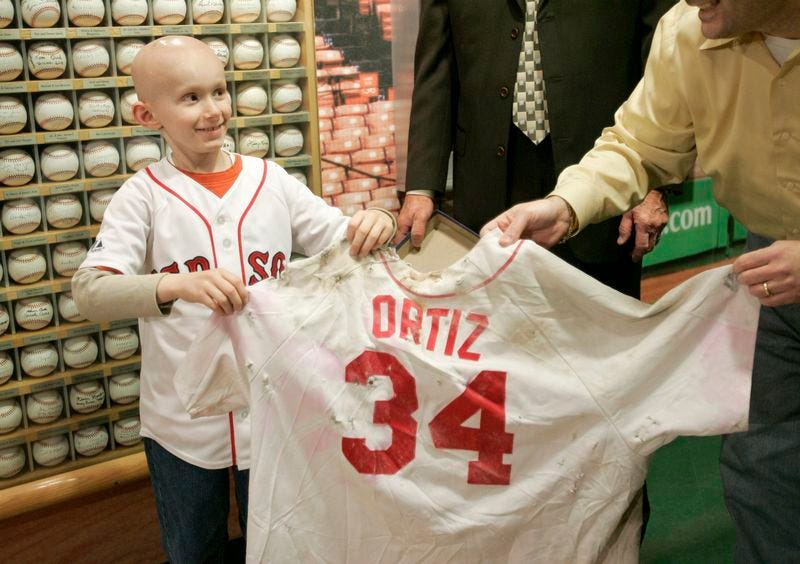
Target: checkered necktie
point(530, 107)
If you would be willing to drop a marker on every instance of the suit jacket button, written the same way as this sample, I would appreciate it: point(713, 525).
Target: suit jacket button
point(514, 33)
point(501, 151)
point(503, 92)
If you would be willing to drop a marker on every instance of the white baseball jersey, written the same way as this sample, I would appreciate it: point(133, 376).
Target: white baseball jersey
point(501, 410)
point(160, 220)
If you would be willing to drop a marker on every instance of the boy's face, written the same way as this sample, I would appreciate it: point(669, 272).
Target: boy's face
point(192, 106)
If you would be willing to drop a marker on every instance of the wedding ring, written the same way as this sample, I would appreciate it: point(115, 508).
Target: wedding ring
point(767, 293)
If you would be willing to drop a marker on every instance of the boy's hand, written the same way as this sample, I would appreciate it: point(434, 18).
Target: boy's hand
point(218, 290)
point(369, 229)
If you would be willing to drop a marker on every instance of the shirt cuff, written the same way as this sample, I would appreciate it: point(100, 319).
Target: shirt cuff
point(429, 193)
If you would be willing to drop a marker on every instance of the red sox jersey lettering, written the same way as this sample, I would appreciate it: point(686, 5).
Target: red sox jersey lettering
point(501, 410)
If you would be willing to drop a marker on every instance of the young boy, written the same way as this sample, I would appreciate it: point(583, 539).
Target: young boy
point(188, 234)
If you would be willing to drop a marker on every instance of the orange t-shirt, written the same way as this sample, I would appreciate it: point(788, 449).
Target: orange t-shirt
point(217, 182)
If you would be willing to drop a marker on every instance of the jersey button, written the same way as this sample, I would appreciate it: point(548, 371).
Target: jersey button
point(226, 243)
point(221, 220)
point(243, 415)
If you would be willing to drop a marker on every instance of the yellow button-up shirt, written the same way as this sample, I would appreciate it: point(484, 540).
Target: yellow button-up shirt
point(725, 102)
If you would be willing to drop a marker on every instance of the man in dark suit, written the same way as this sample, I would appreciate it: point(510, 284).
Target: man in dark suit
point(466, 62)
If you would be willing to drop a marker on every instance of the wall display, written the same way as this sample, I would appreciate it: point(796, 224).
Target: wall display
point(69, 388)
point(356, 100)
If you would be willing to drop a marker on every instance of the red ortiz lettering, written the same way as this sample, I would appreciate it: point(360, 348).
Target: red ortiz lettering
point(411, 322)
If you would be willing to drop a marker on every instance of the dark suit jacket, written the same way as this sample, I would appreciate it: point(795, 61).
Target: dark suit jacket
point(465, 67)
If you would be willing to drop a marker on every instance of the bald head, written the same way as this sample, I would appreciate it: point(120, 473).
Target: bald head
point(162, 64)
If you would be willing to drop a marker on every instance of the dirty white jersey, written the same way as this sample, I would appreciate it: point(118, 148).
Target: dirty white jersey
point(161, 220)
point(501, 410)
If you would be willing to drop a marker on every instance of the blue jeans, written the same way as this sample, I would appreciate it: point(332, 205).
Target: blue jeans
point(193, 505)
point(761, 467)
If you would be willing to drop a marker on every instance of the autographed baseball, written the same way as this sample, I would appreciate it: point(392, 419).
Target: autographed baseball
point(46, 60)
point(38, 360)
point(126, 101)
point(95, 108)
point(169, 12)
point(129, 12)
point(141, 152)
point(59, 162)
point(6, 365)
point(253, 142)
point(288, 140)
point(79, 352)
point(207, 11)
point(100, 158)
point(126, 431)
point(245, 11)
point(248, 52)
point(34, 313)
point(16, 167)
point(13, 116)
point(10, 415)
point(127, 49)
point(4, 322)
point(251, 99)
point(53, 112)
point(51, 451)
point(91, 440)
point(299, 175)
point(63, 211)
point(98, 202)
point(12, 461)
point(90, 58)
point(86, 13)
point(68, 308)
point(44, 407)
point(284, 51)
point(21, 216)
point(286, 96)
point(67, 257)
point(228, 144)
point(41, 13)
point(6, 13)
point(10, 61)
point(26, 266)
point(124, 388)
point(87, 396)
point(281, 10)
point(121, 343)
point(219, 47)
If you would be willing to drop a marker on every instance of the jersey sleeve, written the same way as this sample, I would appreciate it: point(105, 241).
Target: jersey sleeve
point(213, 379)
point(681, 366)
point(121, 244)
point(315, 224)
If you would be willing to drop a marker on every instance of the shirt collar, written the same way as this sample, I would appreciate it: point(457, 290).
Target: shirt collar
point(744, 38)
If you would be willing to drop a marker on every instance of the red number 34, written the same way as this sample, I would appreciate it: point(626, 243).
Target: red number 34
point(486, 393)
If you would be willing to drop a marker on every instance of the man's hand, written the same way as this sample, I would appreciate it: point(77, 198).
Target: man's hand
point(218, 290)
point(647, 219)
point(545, 221)
point(369, 229)
point(414, 215)
point(772, 274)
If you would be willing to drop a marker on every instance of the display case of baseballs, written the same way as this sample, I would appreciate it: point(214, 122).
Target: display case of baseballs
point(69, 387)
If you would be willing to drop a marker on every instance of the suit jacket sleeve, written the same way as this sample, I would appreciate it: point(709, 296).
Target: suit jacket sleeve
point(430, 136)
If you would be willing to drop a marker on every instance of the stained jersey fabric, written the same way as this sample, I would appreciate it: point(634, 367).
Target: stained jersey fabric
point(501, 410)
